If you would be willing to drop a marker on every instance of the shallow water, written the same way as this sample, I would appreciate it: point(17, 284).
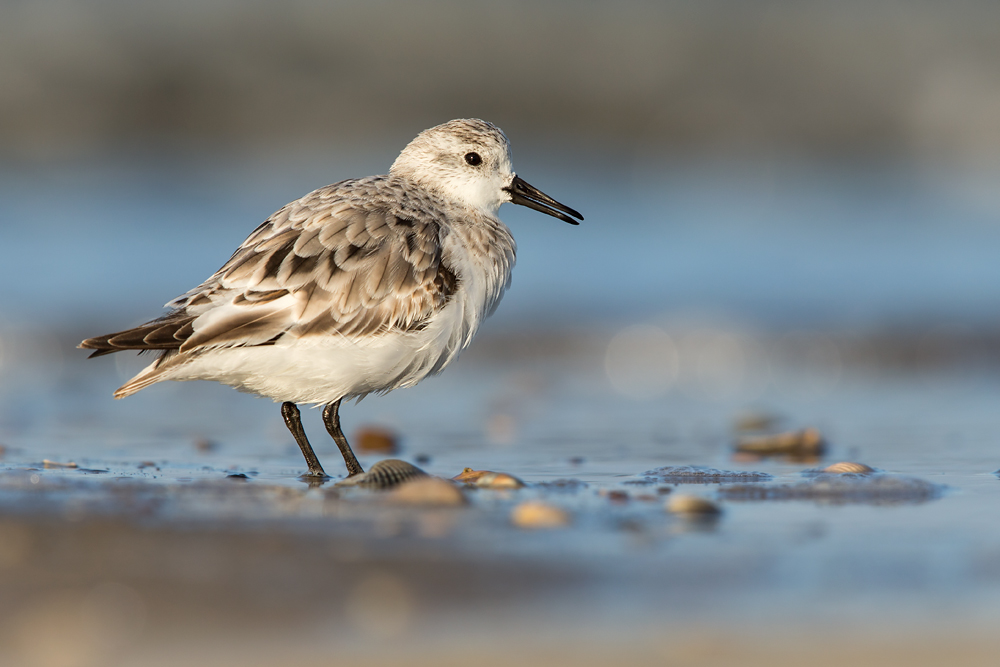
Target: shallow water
point(767, 303)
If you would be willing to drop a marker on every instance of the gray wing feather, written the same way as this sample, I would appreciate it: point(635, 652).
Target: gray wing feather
point(343, 260)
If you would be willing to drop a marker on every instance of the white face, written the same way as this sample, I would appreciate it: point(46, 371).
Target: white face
point(463, 160)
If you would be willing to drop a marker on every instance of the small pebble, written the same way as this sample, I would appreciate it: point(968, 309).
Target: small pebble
point(376, 440)
point(488, 479)
point(615, 496)
point(205, 445)
point(536, 514)
point(848, 466)
point(690, 505)
point(427, 492)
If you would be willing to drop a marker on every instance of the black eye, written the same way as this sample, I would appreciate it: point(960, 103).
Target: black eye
point(473, 159)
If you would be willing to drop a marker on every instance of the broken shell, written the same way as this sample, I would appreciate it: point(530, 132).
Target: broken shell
point(385, 475)
point(376, 440)
point(535, 514)
point(693, 506)
point(805, 443)
point(488, 479)
point(56, 464)
point(849, 466)
point(427, 491)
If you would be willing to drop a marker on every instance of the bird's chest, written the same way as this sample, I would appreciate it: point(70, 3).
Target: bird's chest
point(482, 260)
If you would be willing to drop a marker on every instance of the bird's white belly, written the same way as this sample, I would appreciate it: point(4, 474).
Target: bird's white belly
point(323, 369)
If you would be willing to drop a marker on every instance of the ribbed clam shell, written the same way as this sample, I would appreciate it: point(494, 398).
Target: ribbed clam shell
point(385, 475)
point(848, 466)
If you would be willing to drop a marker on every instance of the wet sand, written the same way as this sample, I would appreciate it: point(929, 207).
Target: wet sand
point(183, 535)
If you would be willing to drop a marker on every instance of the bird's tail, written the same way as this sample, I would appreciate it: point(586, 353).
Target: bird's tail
point(149, 375)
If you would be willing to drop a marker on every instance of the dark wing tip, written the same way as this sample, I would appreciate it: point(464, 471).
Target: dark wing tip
point(167, 333)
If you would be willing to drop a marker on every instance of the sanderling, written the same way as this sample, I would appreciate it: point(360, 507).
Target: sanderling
point(363, 286)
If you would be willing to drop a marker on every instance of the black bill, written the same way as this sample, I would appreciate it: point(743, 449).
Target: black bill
point(525, 195)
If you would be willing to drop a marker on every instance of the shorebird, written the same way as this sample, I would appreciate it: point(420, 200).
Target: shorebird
point(363, 286)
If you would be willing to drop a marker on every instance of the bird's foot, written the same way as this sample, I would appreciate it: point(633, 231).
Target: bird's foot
point(315, 479)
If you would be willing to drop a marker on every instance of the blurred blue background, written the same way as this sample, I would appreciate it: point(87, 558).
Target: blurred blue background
point(798, 180)
point(765, 164)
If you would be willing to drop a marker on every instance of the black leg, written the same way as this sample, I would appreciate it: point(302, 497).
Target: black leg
point(331, 418)
point(294, 423)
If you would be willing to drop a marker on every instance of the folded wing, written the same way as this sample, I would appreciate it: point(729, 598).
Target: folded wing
point(340, 261)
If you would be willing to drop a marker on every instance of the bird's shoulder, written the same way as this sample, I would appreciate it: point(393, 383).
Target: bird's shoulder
point(339, 205)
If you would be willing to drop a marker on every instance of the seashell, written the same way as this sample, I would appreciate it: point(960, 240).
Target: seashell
point(806, 443)
point(848, 466)
point(56, 464)
point(488, 479)
point(427, 491)
point(692, 506)
point(376, 440)
point(536, 514)
point(385, 475)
